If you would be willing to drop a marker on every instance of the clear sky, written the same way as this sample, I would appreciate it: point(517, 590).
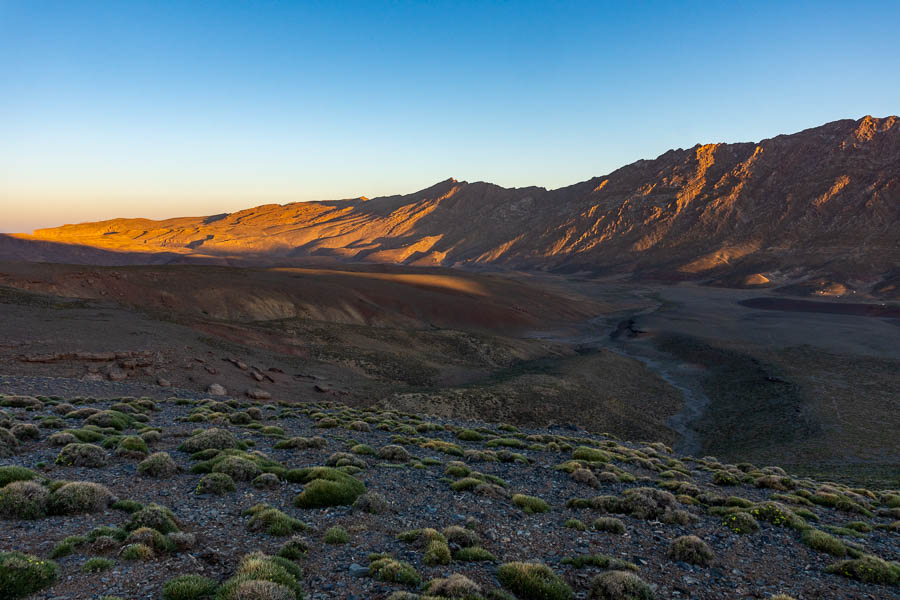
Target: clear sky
point(156, 109)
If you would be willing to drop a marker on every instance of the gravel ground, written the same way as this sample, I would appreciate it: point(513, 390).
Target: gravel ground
point(757, 565)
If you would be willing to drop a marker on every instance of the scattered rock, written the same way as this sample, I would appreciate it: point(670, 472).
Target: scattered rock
point(216, 390)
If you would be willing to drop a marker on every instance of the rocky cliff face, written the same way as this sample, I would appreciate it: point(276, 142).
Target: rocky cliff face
point(823, 202)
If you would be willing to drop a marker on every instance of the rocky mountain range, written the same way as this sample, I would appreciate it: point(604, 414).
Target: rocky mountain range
point(821, 204)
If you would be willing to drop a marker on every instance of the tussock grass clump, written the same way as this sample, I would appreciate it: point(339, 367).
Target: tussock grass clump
point(9, 445)
point(260, 576)
point(336, 535)
point(691, 549)
point(301, 443)
point(9, 474)
point(421, 536)
point(132, 446)
point(79, 497)
point(25, 431)
point(110, 419)
point(609, 525)
point(156, 517)
point(273, 521)
point(237, 467)
point(137, 552)
point(82, 455)
point(359, 426)
point(590, 454)
point(779, 515)
point(648, 503)
point(533, 581)
point(215, 483)
point(189, 587)
point(620, 585)
point(600, 561)
point(461, 536)
point(530, 504)
point(437, 552)
point(266, 481)
point(61, 438)
point(575, 524)
point(294, 549)
point(150, 537)
point(385, 568)
point(474, 554)
point(774, 482)
point(469, 435)
point(372, 503)
point(455, 586)
point(209, 439)
point(363, 449)
point(822, 542)
point(23, 500)
point(457, 469)
point(442, 446)
point(97, 564)
point(324, 487)
point(587, 477)
point(346, 459)
point(159, 464)
point(394, 453)
point(868, 569)
point(859, 526)
point(24, 574)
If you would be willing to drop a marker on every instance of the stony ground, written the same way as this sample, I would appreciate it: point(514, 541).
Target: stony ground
point(445, 473)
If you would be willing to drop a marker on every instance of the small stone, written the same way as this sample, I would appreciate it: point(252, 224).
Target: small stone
point(358, 570)
point(216, 390)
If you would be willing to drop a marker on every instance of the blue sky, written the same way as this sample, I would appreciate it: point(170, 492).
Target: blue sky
point(182, 108)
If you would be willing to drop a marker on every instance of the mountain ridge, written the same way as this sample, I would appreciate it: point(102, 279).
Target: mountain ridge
point(822, 202)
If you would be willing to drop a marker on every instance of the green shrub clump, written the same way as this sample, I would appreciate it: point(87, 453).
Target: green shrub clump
point(325, 486)
point(209, 439)
point(741, 523)
point(273, 521)
point(23, 500)
point(263, 576)
point(82, 455)
point(691, 549)
point(189, 587)
point(620, 585)
point(387, 569)
point(530, 504)
point(590, 454)
point(868, 569)
point(79, 497)
point(533, 581)
point(216, 483)
point(9, 474)
point(609, 525)
point(97, 564)
point(24, 574)
point(158, 464)
point(336, 535)
point(822, 542)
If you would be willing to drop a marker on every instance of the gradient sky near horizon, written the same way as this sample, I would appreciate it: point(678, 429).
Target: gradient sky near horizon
point(158, 109)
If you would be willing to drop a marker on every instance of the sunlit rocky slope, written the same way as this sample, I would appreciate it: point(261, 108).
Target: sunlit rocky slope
point(824, 202)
